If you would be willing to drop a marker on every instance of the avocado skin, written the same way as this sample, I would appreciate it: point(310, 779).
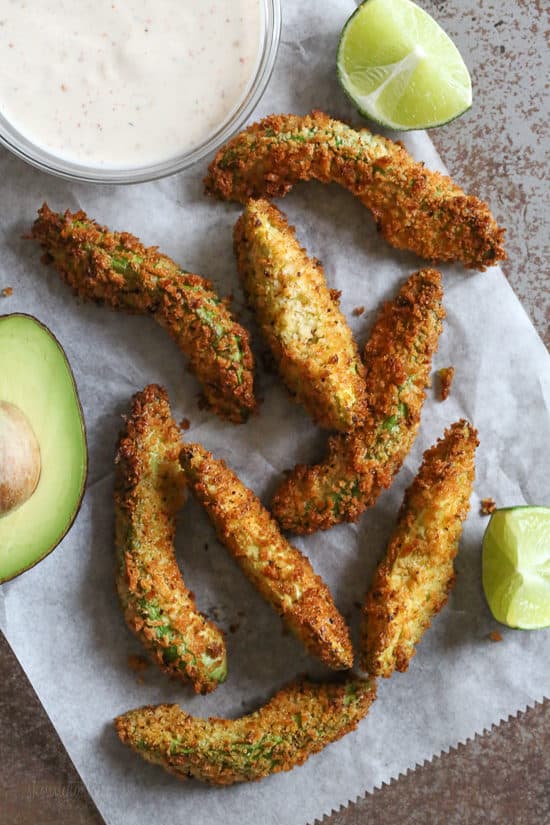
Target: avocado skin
point(80, 413)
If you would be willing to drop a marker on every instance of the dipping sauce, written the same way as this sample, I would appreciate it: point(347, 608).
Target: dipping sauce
point(125, 83)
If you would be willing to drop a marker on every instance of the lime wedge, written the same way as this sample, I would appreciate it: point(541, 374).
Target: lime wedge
point(516, 566)
point(400, 68)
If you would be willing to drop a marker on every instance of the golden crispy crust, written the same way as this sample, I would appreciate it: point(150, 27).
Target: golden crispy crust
point(115, 269)
point(283, 576)
point(412, 582)
point(149, 490)
point(300, 720)
point(414, 208)
point(300, 319)
point(359, 465)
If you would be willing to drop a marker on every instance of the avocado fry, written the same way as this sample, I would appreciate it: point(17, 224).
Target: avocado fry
point(414, 208)
point(360, 464)
point(300, 319)
point(413, 580)
point(149, 490)
point(116, 269)
point(283, 576)
point(300, 720)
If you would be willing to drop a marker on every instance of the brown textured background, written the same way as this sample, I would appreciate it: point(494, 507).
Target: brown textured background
point(497, 150)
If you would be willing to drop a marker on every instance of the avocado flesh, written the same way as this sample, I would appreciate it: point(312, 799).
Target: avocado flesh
point(35, 376)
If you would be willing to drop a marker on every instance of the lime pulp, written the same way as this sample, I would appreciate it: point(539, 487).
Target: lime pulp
point(516, 566)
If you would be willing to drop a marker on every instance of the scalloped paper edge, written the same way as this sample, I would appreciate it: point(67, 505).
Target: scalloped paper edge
point(455, 747)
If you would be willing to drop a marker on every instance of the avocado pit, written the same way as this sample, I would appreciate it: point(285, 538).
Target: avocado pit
point(20, 462)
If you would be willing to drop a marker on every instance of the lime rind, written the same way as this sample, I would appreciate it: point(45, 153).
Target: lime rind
point(400, 69)
point(516, 566)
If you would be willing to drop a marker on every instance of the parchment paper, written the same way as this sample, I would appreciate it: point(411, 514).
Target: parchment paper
point(62, 618)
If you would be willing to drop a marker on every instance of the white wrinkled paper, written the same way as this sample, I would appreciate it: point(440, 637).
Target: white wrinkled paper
point(63, 619)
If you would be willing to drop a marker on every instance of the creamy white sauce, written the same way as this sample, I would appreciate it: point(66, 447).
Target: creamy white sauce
point(124, 83)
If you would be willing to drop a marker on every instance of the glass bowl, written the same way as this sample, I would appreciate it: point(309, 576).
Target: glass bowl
point(49, 162)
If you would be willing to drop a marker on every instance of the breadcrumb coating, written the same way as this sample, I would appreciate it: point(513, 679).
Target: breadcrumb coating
point(446, 377)
point(300, 720)
point(300, 319)
point(487, 506)
point(412, 583)
point(359, 465)
point(283, 575)
point(149, 490)
point(114, 268)
point(414, 208)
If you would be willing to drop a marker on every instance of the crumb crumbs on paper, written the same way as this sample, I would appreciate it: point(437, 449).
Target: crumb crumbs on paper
point(488, 506)
point(6, 292)
point(185, 424)
point(358, 311)
point(138, 663)
point(495, 636)
point(446, 376)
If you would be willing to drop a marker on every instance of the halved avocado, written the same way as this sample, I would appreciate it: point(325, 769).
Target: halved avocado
point(39, 407)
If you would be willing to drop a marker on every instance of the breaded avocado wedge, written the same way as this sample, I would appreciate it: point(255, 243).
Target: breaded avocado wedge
point(149, 491)
point(300, 319)
point(300, 720)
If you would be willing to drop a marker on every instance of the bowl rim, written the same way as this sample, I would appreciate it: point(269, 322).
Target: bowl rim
point(46, 161)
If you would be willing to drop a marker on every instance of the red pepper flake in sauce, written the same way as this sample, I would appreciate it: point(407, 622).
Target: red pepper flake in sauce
point(358, 311)
point(495, 636)
point(6, 292)
point(185, 424)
